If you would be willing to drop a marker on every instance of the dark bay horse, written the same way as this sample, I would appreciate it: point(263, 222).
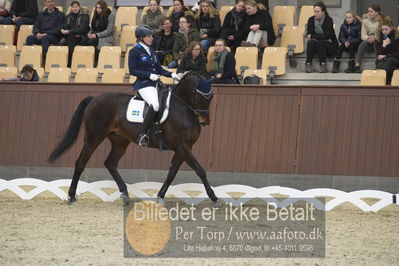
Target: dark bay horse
point(104, 116)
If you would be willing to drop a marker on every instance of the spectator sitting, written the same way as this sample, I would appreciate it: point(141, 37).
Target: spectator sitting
point(22, 12)
point(154, 16)
point(102, 28)
point(208, 23)
point(28, 74)
point(224, 69)
point(231, 25)
point(387, 48)
point(349, 37)
point(75, 28)
point(163, 42)
point(258, 25)
point(369, 29)
point(5, 6)
point(47, 28)
point(321, 37)
point(193, 60)
point(179, 10)
point(183, 38)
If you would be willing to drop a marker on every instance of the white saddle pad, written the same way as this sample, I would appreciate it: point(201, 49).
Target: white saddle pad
point(135, 110)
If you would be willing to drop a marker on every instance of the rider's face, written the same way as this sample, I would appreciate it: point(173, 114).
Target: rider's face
point(148, 39)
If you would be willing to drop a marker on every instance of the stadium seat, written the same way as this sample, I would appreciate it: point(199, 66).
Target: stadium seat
point(59, 75)
point(86, 75)
point(57, 56)
point(126, 65)
point(125, 15)
point(127, 37)
point(110, 57)
point(30, 55)
point(115, 75)
point(7, 34)
point(145, 11)
point(375, 77)
point(274, 56)
point(258, 72)
point(167, 80)
point(283, 16)
point(304, 15)
point(246, 57)
point(395, 78)
point(7, 55)
point(24, 32)
point(40, 72)
point(223, 12)
point(132, 79)
point(83, 57)
point(8, 72)
point(293, 39)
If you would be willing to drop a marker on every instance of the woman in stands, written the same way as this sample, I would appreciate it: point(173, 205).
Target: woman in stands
point(369, 29)
point(144, 64)
point(224, 68)
point(321, 37)
point(387, 48)
point(22, 12)
point(258, 25)
point(163, 42)
point(5, 6)
point(75, 28)
point(208, 23)
point(154, 16)
point(193, 60)
point(231, 30)
point(179, 10)
point(349, 38)
point(102, 24)
point(183, 38)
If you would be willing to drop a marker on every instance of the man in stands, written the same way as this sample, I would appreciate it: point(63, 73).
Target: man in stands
point(47, 28)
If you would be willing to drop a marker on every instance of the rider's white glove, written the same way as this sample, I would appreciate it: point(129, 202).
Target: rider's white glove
point(154, 77)
point(175, 76)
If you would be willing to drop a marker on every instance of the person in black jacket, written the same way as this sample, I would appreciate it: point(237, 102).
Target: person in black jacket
point(163, 42)
point(208, 24)
point(321, 37)
point(193, 60)
point(22, 12)
point(75, 28)
point(47, 28)
point(258, 26)
point(231, 31)
point(349, 37)
point(224, 69)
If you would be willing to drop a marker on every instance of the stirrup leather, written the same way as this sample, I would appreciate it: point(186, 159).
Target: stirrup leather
point(143, 140)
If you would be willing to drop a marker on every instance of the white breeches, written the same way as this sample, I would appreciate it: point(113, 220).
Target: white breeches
point(150, 96)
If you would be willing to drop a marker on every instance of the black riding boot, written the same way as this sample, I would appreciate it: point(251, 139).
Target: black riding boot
point(351, 66)
point(143, 139)
point(336, 66)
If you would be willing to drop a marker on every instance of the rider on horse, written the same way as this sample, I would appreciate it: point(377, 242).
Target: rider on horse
point(144, 64)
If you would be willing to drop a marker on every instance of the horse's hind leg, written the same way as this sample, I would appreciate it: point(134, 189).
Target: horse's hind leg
point(88, 148)
point(119, 146)
point(193, 163)
point(174, 167)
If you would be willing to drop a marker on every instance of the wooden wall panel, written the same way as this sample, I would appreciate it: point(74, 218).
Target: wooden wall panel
point(349, 132)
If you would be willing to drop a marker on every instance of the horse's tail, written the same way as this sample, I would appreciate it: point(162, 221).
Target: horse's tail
point(72, 132)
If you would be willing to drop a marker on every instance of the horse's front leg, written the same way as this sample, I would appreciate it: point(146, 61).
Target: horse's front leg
point(189, 158)
point(174, 167)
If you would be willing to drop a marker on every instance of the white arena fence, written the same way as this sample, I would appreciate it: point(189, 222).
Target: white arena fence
point(382, 198)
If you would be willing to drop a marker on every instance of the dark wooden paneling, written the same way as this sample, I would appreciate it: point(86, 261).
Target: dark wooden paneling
point(349, 132)
point(255, 130)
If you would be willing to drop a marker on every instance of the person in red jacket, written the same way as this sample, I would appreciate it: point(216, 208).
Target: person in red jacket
point(387, 48)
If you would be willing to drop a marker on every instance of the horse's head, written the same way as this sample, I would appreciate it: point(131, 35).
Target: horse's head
point(196, 91)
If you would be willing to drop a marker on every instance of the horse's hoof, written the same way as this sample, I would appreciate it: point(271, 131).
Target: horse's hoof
point(125, 199)
point(71, 201)
point(161, 201)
